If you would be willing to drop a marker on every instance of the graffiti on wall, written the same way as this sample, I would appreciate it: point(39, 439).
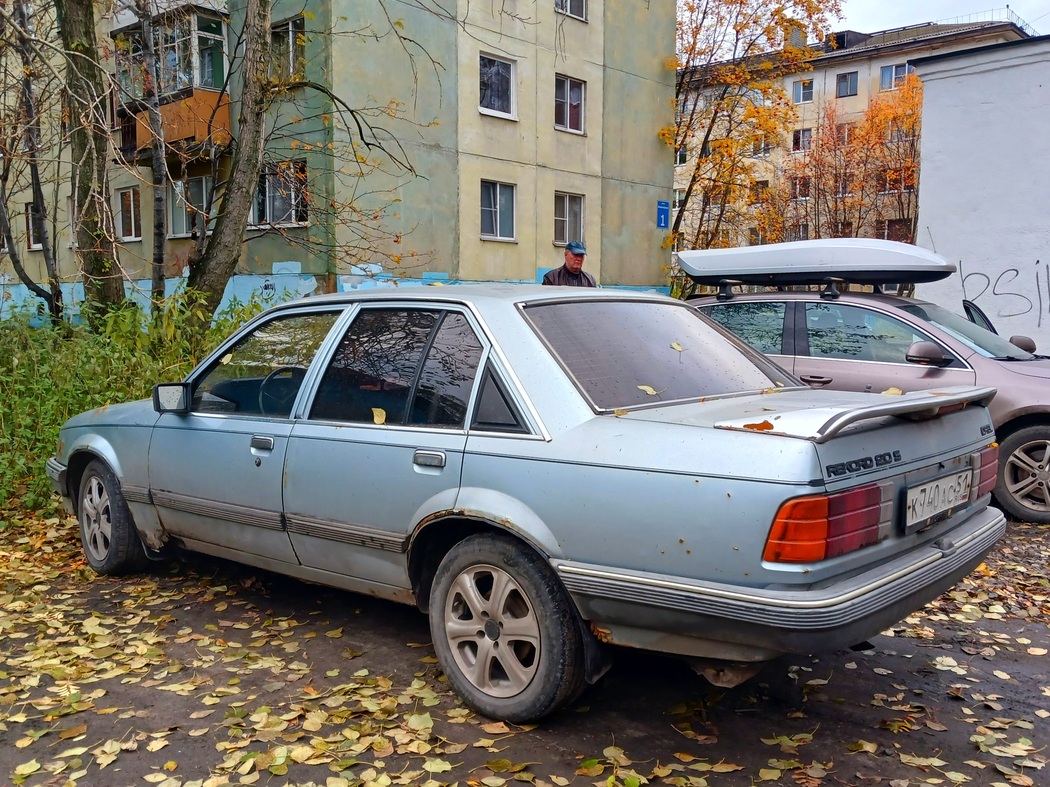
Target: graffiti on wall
point(1011, 292)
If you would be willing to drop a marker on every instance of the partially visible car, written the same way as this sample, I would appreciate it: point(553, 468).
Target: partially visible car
point(870, 341)
point(544, 470)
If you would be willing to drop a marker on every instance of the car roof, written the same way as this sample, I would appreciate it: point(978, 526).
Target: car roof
point(474, 293)
point(856, 260)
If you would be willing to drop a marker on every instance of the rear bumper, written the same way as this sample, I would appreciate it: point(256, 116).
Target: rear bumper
point(714, 620)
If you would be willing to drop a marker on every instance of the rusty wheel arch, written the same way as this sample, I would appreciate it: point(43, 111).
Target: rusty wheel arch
point(435, 535)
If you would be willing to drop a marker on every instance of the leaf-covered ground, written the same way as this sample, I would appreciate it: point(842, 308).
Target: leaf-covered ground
point(207, 673)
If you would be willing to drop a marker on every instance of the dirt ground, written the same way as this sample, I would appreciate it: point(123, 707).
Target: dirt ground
point(208, 673)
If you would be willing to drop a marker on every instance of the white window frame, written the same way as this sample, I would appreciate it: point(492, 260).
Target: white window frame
point(896, 72)
point(798, 231)
point(761, 147)
point(198, 56)
point(577, 9)
point(496, 210)
point(180, 35)
point(294, 174)
point(886, 187)
point(564, 229)
point(294, 30)
point(512, 113)
point(801, 140)
point(681, 156)
point(882, 227)
point(799, 90)
point(135, 204)
point(801, 187)
point(177, 202)
point(677, 198)
point(32, 242)
point(566, 84)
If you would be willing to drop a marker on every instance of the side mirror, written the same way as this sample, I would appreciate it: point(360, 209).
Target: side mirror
point(1025, 343)
point(926, 354)
point(171, 398)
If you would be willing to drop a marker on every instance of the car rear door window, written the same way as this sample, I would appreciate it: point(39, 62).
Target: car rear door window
point(839, 330)
point(495, 412)
point(442, 392)
point(262, 373)
point(401, 366)
point(759, 323)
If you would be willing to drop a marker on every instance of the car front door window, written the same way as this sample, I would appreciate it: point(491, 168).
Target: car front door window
point(261, 374)
point(837, 330)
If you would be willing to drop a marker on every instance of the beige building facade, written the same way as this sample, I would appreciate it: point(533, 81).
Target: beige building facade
point(522, 125)
point(846, 73)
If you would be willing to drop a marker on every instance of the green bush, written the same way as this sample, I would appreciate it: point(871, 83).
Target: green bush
point(51, 372)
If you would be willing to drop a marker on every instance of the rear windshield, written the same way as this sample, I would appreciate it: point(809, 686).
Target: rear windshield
point(627, 353)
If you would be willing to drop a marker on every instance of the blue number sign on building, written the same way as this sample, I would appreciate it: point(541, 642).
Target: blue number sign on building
point(663, 214)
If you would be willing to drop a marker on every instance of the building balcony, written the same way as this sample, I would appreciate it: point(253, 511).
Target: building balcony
point(193, 123)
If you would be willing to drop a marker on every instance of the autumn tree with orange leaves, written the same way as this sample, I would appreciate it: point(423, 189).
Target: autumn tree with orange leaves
point(859, 177)
point(731, 108)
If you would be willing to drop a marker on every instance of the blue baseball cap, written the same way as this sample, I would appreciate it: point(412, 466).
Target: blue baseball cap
point(575, 247)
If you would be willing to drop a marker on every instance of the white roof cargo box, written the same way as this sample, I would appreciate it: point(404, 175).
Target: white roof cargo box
point(857, 260)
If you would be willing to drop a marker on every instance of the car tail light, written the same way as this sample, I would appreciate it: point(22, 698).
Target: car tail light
point(986, 466)
point(808, 529)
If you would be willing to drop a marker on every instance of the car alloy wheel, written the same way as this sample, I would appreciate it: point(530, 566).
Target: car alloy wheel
point(492, 631)
point(107, 532)
point(507, 635)
point(1023, 487)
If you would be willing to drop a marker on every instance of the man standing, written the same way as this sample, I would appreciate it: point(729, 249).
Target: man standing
point(571, 274)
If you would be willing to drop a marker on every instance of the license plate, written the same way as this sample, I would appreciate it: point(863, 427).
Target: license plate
point(927, 501)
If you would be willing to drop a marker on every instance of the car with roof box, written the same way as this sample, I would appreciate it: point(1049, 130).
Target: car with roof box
point(839, 338)
point(547, 472)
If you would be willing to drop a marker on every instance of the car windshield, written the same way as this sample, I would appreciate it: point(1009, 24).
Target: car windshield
point(629, 353)
point(983, 341)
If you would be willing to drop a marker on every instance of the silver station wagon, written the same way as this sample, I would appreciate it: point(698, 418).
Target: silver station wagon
point(545, 471)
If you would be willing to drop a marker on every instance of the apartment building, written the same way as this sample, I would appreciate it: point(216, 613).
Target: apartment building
point(435, 142)
point(845, 74)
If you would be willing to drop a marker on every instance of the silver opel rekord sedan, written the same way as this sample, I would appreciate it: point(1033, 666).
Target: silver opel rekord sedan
point(545, 471)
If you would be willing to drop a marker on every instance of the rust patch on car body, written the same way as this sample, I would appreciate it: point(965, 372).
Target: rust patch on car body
point(761, 426)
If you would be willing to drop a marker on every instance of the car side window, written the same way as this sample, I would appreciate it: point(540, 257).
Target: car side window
point(262, 373)
point(837, 330)
point(759, 323)
point(447, 377)
point(495, 412)
point(401, 366)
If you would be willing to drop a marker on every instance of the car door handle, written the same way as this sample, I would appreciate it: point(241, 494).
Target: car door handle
point(262, 442)
point(429, 458)
point(814, 379)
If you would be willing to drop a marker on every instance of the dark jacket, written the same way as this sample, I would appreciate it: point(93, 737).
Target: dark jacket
point(562, 277)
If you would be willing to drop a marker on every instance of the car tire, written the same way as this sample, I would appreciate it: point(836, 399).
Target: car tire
point(1023, 486)
point(107, 532)
point(506, 633)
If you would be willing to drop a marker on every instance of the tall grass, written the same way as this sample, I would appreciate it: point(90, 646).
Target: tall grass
point(51, 372)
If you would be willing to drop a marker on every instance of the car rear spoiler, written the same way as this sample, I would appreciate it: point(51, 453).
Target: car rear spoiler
point(820, 424)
